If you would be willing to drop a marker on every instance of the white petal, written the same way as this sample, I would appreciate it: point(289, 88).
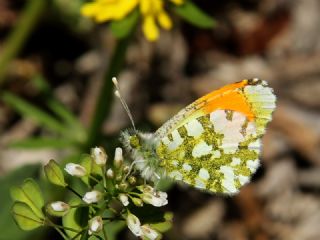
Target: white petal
point(75, 170)
point(148, 232)
point(92, 197)
point(134, 224)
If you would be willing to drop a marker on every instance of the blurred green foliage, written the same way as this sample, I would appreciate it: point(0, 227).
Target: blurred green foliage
point(9, 230)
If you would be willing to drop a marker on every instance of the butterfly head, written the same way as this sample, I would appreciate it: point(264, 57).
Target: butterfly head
point(131, 140)
point(141, 148)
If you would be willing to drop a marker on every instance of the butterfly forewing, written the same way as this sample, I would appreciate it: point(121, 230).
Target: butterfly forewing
point(214, 143)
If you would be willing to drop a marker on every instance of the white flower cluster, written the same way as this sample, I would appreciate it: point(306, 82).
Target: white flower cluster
point(120, 176)
point(150, 196)
point(98, 155)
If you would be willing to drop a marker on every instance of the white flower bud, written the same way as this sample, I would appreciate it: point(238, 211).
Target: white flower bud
point(134, 224)
point(126, 169)
point(123, 186)
point(149, 233)
point(95, 225)
point(59, 206)
point(75, 170)
point(124, 199)
point(132, 180)
point(110, 173)
point(118, 157)
point(137, 201)
point(99, 156)
point(92, 197)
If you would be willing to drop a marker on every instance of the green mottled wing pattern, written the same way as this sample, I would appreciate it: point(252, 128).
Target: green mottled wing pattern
point(217, 152)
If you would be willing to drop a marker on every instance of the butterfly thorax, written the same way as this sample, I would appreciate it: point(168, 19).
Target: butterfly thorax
point(142, 150)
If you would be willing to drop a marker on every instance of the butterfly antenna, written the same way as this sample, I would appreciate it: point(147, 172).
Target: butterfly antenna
point(123, 102)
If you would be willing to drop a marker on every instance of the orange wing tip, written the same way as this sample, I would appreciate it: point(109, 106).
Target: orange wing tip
point(252, 97)
point(229, 97)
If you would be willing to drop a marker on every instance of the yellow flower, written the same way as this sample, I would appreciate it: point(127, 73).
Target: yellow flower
point(106, 10)
point(153, 13)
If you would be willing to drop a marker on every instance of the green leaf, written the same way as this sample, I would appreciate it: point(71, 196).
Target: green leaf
point(8, 228)
point(42, 142)
point(65, 114)
point(30, 194)
point(113, 229)
point(122, 28)
point(25, 217)
point(41, 84)
point(54, 173)
point(30, 111)
point(75, 126)
point(76, 218)
point(164, 226)
point(194, 15)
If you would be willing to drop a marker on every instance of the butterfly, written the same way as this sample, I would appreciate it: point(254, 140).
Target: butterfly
point(212, 144)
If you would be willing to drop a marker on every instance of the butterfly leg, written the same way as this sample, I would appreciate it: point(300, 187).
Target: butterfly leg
point(131, 167)
point(157, 181)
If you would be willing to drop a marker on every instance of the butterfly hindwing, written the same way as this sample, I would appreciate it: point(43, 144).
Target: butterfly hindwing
point(212, 152)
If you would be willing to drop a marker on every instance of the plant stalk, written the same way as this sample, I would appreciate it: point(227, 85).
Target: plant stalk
point(104, 101)
point(74, 191)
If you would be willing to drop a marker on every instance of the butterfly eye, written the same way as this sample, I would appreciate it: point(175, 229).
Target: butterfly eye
point(134, 141)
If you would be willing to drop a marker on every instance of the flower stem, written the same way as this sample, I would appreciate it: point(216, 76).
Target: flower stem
point(74, 191)
point(135, 194)
point(94, 179)
point(58, 229)
point(63, 227)
point(61, 233)
point(77, 235)
point(104, 234)
point(104, 176)
point(103, 104)
point(20, 33)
